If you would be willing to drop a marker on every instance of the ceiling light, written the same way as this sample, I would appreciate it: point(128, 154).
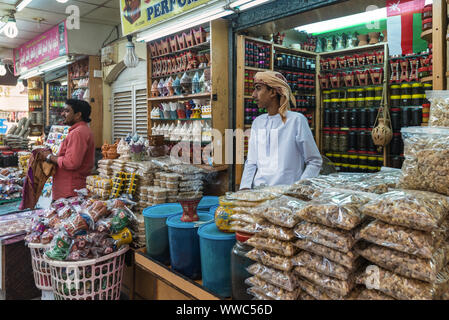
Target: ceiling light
point(54, 64)
point(30, 74)
point(23, 4)
point(20, 87)
point(131, 60)
point(344, 22)
point(2, 69)
point(252, 4)
point(62, 1)
point(10, 28)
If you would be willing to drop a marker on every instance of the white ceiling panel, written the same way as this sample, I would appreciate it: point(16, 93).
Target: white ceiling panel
point(56, 7)
point(105, 14)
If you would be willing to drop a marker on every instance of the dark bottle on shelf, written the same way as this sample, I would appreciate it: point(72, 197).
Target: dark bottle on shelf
point(395, 119)
point(327, 118)
point(362, 141)
point(336, 118)
point(371, 145)
point(372, 114)
point(396, 144)
point(344, 118)
point(416, 117)
point(352, 140)
point(353, 118)
point(363, 118)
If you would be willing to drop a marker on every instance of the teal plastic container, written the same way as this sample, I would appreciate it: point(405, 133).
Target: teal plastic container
point(212, 210)
point(156, 232)
point(184, 245)
point(206, 203)
point(215, 250)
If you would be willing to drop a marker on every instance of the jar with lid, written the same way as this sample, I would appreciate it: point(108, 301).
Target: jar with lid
point(326, 140)
point(372, 115)
point(350, 93)
point(350, 102)
point(372, 161)
point(369, 102)
point(363, 118)
point(405, 117)
point(416, 116)
point(326, 94)
point(334, 103)
point(406, 100)
point(353, 159)
point(352, 140)
point(377, 101)
point(369, 92)
point(363, 169)
point(345, 167)
point(334, 141)
point(344, 118)
point(371, 146)
point(363, 160)
point(378, 91)
point(360, 93)
point(395, 119)
point(396, 162)
point(354, 118)
point(395, 101)
point(343, 102)
point(362, 141)
point(337, 157)
point(396, 143)
point(327, 118)
point(343, 141)
point(353, 168)
point(417, 99)
point(372, 169)
point(336, 118)
point(345, 158)
point(417, 88)
point(427, 87)
point(239, 264)
point(335, 94)
point(406, 89)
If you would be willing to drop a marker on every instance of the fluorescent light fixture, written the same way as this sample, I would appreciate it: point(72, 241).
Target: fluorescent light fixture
point(30, 74)
point(344, 22)
point(252, 4)
point(62, 1)
point(54, 64)
point(193, 19)
point(10, 28)
point(23, 4)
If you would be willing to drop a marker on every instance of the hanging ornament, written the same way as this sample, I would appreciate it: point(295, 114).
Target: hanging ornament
point(382, 132)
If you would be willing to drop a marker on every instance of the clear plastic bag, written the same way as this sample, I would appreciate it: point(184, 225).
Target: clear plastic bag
point(305, 296)
point(346, 259)
point(240, 226)
point(250, 195)
point(329, 237)
point(336, 208)
point(270, 259)
point(439, 108)
point(280, 211)
point(282, 279)
point(340, 287)
point(415, 242)
point(404, 264)
point(270, 230)
point(426, 164)
point(273, 245)
point(247, 218)
point(307, 189)
point(258, 293)
point(272, 291)
point(418, 210)
point(323, 265)
point(402, 288)
point(372, 294)
point(313, 290)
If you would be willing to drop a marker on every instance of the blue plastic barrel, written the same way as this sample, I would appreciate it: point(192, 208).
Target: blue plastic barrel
point(206, 203)
point(184, 245)
point(212, 210)
point(215, 250)
point(156, 232)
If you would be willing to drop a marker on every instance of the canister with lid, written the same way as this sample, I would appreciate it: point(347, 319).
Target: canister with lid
point(405, 117)
point(354, 118)
point(352, 140)
point(344, 118)
point(372, 115)
point(378, 91)
point(334, 141)
point(350, 102)
point(406, 100)
point(345, 158)
point(369, 92)
point(395, 101)
point(395, 114)
point(406, 89)
point(350, 93)
point(416, 116)
point(353, 159)
point(334, 94)
point(417, 88)
point(326, 94)
point(327, 103)
point(337, 157)
point(327, 118)
point(363, 118)
point(343, 141)
point(372, 161)
point(360, 93)
point(395, 90)
point(336, 118)
point(326, 140)
point(360, 102)
point(362, 140)
point(363, 160)
point(380, 161)
point(418, 99)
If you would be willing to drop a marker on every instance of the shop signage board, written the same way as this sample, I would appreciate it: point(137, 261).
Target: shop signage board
point(139, 14)
point(46, 47)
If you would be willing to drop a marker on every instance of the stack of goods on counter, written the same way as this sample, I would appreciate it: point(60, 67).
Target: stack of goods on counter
point(329, 263)
point(11, 183)
point(79, 228)
point(407, 246)
point(17, 223)
point(17, 135)
point(105, 169)
point(99, 187)
point(439, 108)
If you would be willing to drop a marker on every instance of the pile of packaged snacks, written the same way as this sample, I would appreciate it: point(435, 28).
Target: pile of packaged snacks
point(80, 228)
point(24, 156)
point(118, 165)
point(439, 108)
point(98, 186)
point(407, 245)
point(426, 164)
point(105, 168)
point(16, 223)
point(329, 263)
point(11, 182)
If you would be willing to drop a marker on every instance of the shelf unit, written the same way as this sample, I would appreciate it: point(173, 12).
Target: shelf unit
point(241, 95)
point(55, 103)
point(36, 105)
point(217, 47)
point(85, 69)
point(427, 35)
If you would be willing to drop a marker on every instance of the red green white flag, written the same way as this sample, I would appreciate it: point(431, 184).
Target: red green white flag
point(404, 26)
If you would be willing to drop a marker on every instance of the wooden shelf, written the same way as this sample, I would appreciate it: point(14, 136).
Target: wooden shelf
point(378, 65)
point(177, 119)
point(427, 35)
point(256, 69)
point(198, 47)
point(190, 96)
point(361, 48)
point(181, 72)
point(427, 79)
point(294, 51)
point(190, 288)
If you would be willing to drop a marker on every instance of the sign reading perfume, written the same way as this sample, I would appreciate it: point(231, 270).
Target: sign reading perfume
point(139, 14)
point(46, 47)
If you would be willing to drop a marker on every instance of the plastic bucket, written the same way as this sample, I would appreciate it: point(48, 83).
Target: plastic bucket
point(206, 203)
point(215, 250)
point(212, 210)
point(184, 245)
point(156, 232)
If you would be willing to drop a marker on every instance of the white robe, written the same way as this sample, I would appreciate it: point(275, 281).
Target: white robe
point(280, 153)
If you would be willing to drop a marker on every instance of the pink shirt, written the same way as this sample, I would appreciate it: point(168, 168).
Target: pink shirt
point(76, 159)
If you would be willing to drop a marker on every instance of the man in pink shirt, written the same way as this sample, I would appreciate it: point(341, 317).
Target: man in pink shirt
point(76, 156)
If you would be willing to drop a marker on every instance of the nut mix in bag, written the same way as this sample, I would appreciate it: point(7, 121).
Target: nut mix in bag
point(371, 294)
point(426, 164)
point(329, 237)
point(340, 287)
point(418, 210)
point(415, 242)
point(281, 279)
point(308, 189)
point(336, 208)
point(313, 290)
point(439, 108)
point(269, 230)
point(270, 259)
point(273, 245)
point(280, 211)
point(272, 291)
point(403, 288)
point(404, 264)
point(349, 259)
point(323, 265)
point(258, 293)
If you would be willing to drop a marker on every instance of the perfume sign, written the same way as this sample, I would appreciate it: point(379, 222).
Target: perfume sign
point(44, 48)
point(139, 14)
